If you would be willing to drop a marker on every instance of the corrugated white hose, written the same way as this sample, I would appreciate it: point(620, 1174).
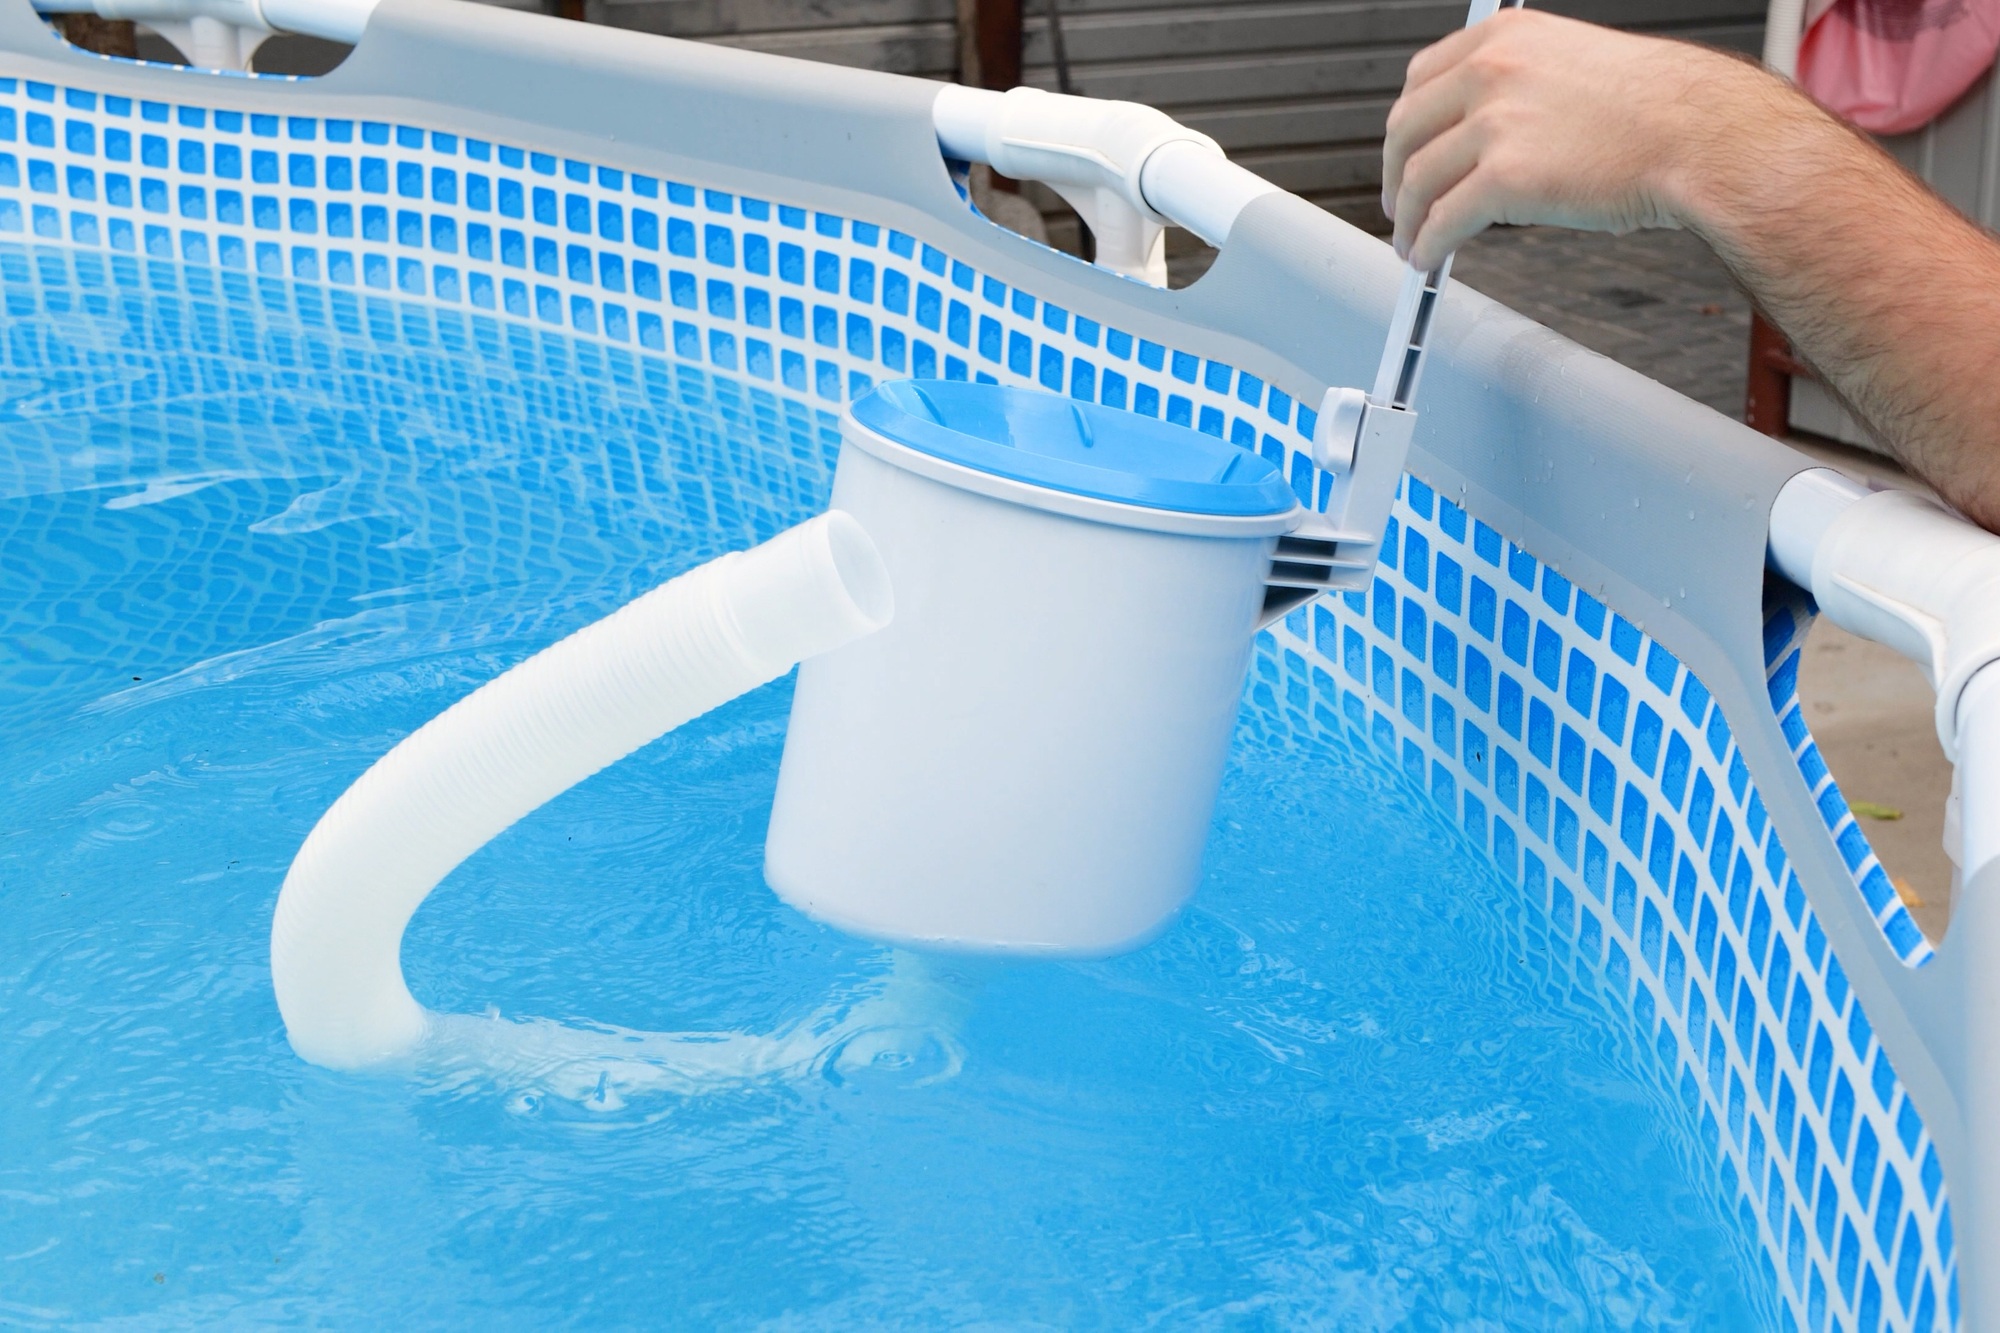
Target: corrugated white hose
point(518, 741)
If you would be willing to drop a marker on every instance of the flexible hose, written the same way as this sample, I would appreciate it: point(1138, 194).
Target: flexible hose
point(518, 741)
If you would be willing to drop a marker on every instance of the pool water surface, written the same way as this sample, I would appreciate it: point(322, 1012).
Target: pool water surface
point(253, 532)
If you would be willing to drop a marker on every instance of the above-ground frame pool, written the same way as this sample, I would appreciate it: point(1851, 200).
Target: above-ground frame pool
point(1539, 974)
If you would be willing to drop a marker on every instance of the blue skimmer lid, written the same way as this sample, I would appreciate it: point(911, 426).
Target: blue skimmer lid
point(1043, 439)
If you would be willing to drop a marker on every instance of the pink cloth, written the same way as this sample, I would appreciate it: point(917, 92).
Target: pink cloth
point(1891, 66)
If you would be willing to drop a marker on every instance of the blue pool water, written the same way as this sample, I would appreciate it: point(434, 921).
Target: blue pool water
point(253, 533)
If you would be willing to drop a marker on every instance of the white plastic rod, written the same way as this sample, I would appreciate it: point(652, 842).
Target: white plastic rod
point(212, 44)
point(1200, 189)
point(1405, 348)
point(1805, 510)
point(520, 740)
point(335, 20)
point(960, 116)
point(1975, 930)
point(1083, 142)
point(236, 13)
point(1784, 29)
point(1979, 776)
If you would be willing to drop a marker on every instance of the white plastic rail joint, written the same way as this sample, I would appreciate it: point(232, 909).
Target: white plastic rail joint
point(224, 34)
point(1897, 568)
point(1130, 171)
point(1091, 152)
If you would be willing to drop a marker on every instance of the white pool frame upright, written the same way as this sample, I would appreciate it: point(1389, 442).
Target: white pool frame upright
point(1897, 568)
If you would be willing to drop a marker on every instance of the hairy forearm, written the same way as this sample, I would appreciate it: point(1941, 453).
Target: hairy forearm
point(1888, 293)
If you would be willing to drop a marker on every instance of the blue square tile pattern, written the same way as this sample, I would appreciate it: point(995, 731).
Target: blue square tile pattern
point(1669, 901)
point(1597, 772)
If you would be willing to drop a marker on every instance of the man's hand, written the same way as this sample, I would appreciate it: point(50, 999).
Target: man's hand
point(1883, 289)
point(1530, 118)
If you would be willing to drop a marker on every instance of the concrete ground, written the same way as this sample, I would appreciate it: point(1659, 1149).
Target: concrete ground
point(1870, 710)
point(1656, 301)
point(1661, 303)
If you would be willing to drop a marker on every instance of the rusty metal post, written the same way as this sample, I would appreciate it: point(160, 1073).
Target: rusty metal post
point(989, 56)
point(997, 43)
point(1767, 405)
point(106, 37)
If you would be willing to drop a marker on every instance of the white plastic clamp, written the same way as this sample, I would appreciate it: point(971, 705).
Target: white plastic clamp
point(1363, 439)
point(1090, 152)
point(224, 34)
point(1897, 568)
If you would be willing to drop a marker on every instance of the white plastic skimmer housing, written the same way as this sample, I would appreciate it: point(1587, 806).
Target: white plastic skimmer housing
point(1028, 758)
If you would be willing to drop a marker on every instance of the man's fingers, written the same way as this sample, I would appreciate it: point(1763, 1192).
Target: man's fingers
point(1434, 96)
point(1532, 118)
point(1418, 117)
point(1461, 213)
point(1441, 164)
point(1444, 83)
point(1442, 55)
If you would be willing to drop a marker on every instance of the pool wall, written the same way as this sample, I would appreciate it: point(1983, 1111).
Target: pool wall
point(1572, 645)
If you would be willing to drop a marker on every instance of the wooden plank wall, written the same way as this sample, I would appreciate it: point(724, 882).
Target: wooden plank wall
point(917, 37)
point(1296, 90)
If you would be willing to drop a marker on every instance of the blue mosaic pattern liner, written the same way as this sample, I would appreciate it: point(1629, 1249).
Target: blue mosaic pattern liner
point(1577, 753)
point(347, 376)
point(1598, 774)
point(1784, 642)
point(817, 305)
